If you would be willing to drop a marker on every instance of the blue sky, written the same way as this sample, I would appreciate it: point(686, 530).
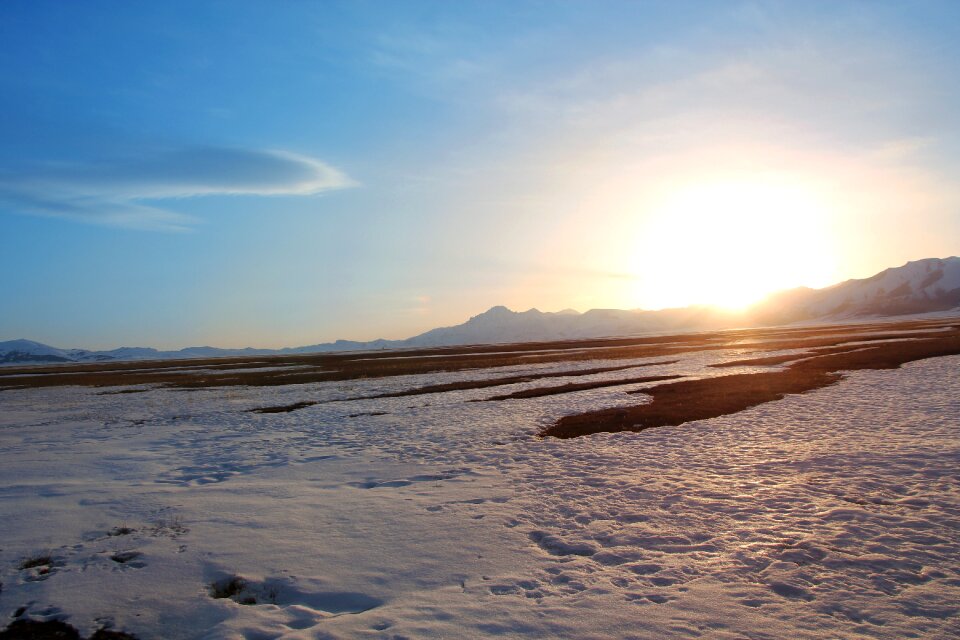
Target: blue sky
point(276, 174)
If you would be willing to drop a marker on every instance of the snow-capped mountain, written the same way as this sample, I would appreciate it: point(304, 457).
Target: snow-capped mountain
point(30, 351)
point(921, 286)
point(500, 325)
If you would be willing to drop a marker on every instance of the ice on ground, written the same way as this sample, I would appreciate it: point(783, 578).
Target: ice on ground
point(831, 514)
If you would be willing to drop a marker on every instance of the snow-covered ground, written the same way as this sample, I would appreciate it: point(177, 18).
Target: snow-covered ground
point(831, 514)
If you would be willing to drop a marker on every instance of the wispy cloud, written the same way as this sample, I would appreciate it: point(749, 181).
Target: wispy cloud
point(112, 192)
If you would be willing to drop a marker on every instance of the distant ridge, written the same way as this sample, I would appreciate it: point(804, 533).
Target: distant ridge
point(921, 286)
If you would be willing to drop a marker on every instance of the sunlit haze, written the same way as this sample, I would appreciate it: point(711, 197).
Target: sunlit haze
point(263, 174)
point(733, 241)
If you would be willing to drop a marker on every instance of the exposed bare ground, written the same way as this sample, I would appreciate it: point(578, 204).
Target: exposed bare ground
point(309, 368)
point(821, 353)
point(539, 392)
point(688, 400)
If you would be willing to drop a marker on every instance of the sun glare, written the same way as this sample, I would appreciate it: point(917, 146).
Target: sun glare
point(730, 243)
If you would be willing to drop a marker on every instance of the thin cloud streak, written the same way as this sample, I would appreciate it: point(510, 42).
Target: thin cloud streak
point(110, 192)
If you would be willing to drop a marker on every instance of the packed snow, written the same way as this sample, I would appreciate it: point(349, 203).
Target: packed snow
point(831, 514)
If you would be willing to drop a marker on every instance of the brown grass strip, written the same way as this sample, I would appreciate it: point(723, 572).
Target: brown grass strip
point(688, 400)
point(282, 408)
point(499, 382)
point(781, 359)
point(576, 386)
point(312, 368)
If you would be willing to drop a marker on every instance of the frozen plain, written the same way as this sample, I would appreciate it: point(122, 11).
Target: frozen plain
point(830, 514)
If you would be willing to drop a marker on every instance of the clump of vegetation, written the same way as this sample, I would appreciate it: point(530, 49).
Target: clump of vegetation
point(55, 630)
point(242, 591)
point(172, 527)
point(42, 562)
point(122, 530)
point(284, 408)
point(229, 587)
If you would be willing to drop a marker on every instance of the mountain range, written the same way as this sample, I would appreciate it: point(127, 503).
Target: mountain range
point(921, 286)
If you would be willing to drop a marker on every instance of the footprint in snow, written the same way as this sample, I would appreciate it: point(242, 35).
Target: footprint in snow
point(311, 605)
point(405, 482)
point(557, 546)
point(790, 591)
point(129, 559)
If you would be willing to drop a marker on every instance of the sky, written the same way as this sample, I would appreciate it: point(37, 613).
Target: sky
point(274, 174)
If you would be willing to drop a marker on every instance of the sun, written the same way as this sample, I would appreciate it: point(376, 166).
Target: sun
point(730, 243)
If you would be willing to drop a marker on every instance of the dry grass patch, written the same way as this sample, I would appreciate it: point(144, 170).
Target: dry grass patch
point(690, 400)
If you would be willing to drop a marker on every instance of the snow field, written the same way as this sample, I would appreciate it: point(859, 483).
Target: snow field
point(832, 514)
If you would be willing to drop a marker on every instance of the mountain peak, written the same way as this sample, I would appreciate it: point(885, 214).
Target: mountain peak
point(498, 311)
point(23, 342)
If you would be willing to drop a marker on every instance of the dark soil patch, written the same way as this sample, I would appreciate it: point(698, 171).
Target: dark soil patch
point(688, 400)
point(576, 386)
